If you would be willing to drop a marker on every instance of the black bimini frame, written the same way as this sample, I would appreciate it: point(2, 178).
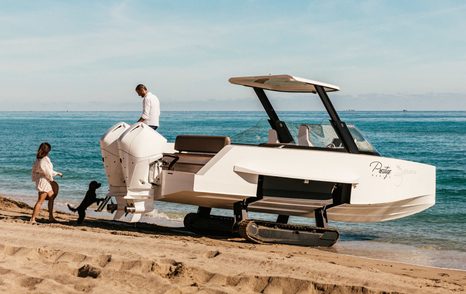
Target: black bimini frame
point(340, 127)
point(283, 133)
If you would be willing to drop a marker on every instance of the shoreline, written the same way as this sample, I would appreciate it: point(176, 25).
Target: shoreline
point(372, 249)
point(149, 258)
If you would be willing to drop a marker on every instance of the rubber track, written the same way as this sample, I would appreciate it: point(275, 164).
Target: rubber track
point(292, 227)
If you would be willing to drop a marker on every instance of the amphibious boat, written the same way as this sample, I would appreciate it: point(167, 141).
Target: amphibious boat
point(324, 171)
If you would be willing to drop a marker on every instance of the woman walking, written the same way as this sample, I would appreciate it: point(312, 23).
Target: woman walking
point(42, 175)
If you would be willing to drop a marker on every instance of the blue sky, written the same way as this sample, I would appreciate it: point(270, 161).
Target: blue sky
point(89, 55)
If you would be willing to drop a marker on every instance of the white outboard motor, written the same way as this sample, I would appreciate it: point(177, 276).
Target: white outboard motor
point(139, 148)
point(111, 159)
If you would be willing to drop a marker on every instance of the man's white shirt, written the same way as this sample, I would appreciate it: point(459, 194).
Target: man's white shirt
point(150, 109)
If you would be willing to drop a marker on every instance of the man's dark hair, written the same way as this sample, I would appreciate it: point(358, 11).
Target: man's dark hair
point(141, 86)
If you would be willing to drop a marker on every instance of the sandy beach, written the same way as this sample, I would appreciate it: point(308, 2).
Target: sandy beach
point(103, 256)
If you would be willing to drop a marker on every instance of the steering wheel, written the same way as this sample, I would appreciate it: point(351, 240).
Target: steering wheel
point(336, 143)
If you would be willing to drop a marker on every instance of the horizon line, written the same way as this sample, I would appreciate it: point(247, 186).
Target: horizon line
point(218, 110)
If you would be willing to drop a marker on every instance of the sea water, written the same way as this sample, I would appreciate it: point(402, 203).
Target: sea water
point(436, 236)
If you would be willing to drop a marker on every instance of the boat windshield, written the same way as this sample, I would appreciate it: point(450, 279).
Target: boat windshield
point(324, 136)
point(311, 135)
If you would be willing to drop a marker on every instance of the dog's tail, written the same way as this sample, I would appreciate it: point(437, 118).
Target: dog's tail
point(71, 208)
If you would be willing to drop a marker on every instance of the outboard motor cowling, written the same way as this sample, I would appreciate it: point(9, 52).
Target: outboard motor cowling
point(139, 147)
point(111, 159)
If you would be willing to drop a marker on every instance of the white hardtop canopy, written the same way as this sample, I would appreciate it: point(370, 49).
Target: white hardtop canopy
point(283, 83)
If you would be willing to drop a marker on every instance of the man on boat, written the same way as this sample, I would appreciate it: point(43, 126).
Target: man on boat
point(150, 107)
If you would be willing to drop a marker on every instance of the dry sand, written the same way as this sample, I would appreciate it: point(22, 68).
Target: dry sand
point(113, 257)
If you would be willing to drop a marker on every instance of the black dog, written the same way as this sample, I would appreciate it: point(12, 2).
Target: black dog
point(89, 199)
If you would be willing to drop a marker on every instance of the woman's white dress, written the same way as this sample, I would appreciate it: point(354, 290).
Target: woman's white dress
point(42, 174)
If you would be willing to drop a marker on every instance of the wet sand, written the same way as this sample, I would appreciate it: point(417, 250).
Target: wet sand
point(102, 256)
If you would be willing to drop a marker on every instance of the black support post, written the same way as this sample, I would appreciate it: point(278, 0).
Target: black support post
point(340, 127)
point(283, 219)
point(204, 211)
point(321, 217)
point(284, 135)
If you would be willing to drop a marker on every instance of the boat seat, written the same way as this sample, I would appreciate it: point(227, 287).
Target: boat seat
point(272, 137)
point(201, 143)
point(189, 162)
point(303, 136)
point(194, 152)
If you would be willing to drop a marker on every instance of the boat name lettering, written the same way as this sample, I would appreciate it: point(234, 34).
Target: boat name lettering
point(379, 169)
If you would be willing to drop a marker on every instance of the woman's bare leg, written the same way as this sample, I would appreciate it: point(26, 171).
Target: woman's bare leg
point(51, 199)
point(50, 206)
point(40, 199)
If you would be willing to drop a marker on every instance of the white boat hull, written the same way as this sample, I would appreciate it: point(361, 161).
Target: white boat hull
point(375, 196)
point(381, 188)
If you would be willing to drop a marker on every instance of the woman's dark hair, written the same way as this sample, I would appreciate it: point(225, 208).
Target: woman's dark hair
point(44, 150)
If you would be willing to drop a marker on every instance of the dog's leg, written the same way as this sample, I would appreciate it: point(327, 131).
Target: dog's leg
point(82, 215)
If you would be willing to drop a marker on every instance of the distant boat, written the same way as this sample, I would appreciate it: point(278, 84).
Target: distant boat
point(404, 110)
